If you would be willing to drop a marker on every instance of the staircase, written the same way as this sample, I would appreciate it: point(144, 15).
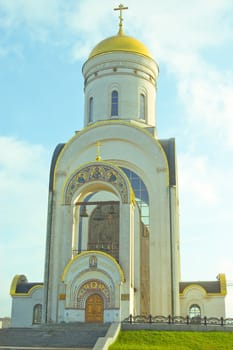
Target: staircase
point(72, 335)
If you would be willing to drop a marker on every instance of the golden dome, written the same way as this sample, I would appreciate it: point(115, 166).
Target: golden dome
point(120, 42)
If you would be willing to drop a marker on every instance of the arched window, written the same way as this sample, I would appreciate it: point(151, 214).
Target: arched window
point(141, 194)
point(114, 104)
point(142, 112)
point(90, 110)
point(194, 312)
point(37, 314)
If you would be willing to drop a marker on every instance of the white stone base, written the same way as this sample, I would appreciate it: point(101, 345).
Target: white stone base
point(74, 315)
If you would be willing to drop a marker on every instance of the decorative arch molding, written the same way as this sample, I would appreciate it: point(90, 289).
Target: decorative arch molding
point(194, 288)
point(98, 172)
point(92, 272)
point(87, 279)
point(87, 283)
point(92, 260)
point(94, 286)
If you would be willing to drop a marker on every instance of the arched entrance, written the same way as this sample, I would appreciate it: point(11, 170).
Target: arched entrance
point(94, 309)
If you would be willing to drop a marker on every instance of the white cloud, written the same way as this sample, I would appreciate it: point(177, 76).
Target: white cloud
point(41, 20)
point(195, 180)
point(207, 97)
point(11, 50)
point(180, 35)
point(28, 12)
point(183, 26)
point(206, 221)
point(23, 201)
point(206, 189)
point(166, 26)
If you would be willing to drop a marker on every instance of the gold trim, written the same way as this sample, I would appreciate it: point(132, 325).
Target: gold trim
point(120, 8)
point(71, 186)
point(91, 252)
point(106, 123)
point(122, 43)
point(191, 286)
point(222, 292)
point(62, 297)
point(223, 283)
point(124, 297)
point(30, 292)
point(14, 283)
point(22, 278)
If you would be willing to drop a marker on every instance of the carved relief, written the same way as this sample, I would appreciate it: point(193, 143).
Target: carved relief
point(93, 261)
point(97, 172)
point(90, 287)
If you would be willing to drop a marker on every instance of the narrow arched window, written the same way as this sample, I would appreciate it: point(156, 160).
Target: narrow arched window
point(90, 110)
point(194, 312)
point(37, 314)
point(142, 111)
point(114, 104)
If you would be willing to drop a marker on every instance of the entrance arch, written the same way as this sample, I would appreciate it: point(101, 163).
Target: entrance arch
point(94, 309)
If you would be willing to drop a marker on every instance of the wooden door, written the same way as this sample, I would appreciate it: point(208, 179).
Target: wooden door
point(94, 308)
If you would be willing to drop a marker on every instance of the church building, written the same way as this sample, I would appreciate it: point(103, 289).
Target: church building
point(113, 246)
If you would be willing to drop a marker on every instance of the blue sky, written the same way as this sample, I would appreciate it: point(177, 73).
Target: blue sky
point(43, 45)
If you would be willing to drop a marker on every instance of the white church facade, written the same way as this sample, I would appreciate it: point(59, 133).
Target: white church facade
point(113, 246)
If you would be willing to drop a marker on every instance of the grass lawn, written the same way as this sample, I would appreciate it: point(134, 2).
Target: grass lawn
point(161, 340)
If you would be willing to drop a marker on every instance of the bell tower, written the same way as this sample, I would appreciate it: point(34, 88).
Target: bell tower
point(120, 77)
point(112, 245)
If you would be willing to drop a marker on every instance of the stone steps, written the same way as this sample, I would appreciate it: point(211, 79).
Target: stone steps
point(38, 348)
point(75, 335)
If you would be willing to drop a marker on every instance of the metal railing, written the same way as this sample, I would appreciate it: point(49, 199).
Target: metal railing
point(220, 321)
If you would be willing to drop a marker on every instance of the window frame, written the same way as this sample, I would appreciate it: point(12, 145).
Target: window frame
point(37, 314)
point(114, 103)
point(194, 311)
point(142, 106)
point(90, 109)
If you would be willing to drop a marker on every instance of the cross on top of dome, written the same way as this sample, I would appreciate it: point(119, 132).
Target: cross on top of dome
point(121, 8)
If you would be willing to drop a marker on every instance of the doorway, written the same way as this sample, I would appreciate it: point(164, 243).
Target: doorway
point(94, 310)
